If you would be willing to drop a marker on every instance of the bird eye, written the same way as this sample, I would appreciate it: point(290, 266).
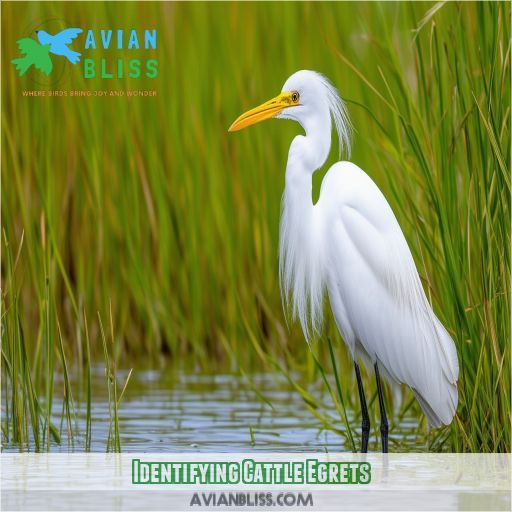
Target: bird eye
point(295, 97)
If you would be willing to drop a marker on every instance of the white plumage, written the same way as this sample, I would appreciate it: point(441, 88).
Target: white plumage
point(376, 294)
point(350, 245)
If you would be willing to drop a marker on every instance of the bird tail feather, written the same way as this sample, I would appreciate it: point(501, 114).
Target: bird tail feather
point(439, 397)
point(21, 64)
point(432, 417)
point(73, 57)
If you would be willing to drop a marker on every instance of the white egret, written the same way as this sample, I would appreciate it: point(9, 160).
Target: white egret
point(350, 245)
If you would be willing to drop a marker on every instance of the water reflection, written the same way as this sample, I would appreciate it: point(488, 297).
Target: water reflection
point(208, 413)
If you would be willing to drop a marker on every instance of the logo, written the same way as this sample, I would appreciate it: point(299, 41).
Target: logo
point(37, 53)
point(108, 53)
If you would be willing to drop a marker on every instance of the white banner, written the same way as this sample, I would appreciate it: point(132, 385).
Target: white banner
point(382, 482)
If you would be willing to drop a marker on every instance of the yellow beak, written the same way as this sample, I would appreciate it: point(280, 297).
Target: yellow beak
point(268, 110)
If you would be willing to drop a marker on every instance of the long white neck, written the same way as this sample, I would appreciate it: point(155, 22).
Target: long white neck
point(300, 237)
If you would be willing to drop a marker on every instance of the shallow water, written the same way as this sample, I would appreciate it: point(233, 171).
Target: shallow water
point(217, 413)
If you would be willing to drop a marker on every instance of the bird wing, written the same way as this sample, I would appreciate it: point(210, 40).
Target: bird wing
point(43, 62)
point(66, 36)
point(377, 296)
point(27, 45)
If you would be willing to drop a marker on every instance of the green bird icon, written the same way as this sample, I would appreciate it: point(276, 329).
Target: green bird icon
point(35, 55)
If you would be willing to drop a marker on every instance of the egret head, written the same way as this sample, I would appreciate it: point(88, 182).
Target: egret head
point(308, 98)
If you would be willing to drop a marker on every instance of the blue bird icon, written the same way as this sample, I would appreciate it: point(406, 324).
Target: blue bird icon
point(58, 43)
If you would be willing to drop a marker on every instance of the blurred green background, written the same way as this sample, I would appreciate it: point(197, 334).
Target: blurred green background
point(146, 213)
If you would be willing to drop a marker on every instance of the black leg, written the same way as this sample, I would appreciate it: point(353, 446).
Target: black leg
point(365, 425)
point(384, 428)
